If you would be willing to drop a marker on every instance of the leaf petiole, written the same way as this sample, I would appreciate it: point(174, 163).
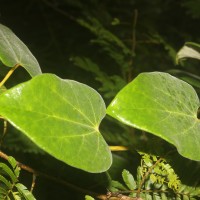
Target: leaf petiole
point(118, 148)
point(9, 74)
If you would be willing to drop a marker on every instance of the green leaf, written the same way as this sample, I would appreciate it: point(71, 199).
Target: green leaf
point(5, 181)
point(13, 51)
point(128, 179)
point(115, 186)
point(163, 196)
point(62, 117)
point(3, 193)
point(164, 106)
point(8, 172)
point(24, 192)
point(190, 78)
point(87, 197)
point(16, 196)
point(189, 50)
point(13, 163)
point(2, 89)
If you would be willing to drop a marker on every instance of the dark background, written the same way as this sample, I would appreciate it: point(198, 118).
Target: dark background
point(51, 31)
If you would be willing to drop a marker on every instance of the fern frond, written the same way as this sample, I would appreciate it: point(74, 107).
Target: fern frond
point(155, 179)
point(10, 188)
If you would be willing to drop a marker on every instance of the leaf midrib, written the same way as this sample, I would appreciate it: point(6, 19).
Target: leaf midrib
point(70, 136)
point(54, 116)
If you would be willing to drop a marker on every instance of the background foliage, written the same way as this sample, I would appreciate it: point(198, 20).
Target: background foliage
point(104, 44)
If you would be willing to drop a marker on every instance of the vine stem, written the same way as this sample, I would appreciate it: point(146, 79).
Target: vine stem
point(9, 74)
point(5, 126)
point(134, 30)
point(118, 148)
point(52, 178)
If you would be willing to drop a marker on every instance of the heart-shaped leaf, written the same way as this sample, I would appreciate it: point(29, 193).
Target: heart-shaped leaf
point(164, 106)
point(13, 51)
point(62, 117)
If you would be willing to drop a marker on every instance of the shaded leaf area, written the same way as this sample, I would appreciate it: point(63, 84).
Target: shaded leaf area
point(64, 118)
point(14, 52)
point(163, 105)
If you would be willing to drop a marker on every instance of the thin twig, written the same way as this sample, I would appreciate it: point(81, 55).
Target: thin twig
point(118, 148)
point(135, 17)
point(33, 182)
point(134, 30)
point(52, 178)
point(5, 126)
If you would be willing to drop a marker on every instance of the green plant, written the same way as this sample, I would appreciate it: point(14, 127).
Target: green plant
point(10, 186)
point(62, 117)
point(155, 179)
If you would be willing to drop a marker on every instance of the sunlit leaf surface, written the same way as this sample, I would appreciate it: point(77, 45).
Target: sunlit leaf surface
point(62, 117)
point(164, 106)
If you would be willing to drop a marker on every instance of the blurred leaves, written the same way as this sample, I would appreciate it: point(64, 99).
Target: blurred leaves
point(110, 85)
point(192, 8)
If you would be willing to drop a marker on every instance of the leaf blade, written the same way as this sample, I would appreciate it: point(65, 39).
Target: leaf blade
point(13, 51)
point(164, 106)
point(129, 180)
point(69, 114)
point(24, 192)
